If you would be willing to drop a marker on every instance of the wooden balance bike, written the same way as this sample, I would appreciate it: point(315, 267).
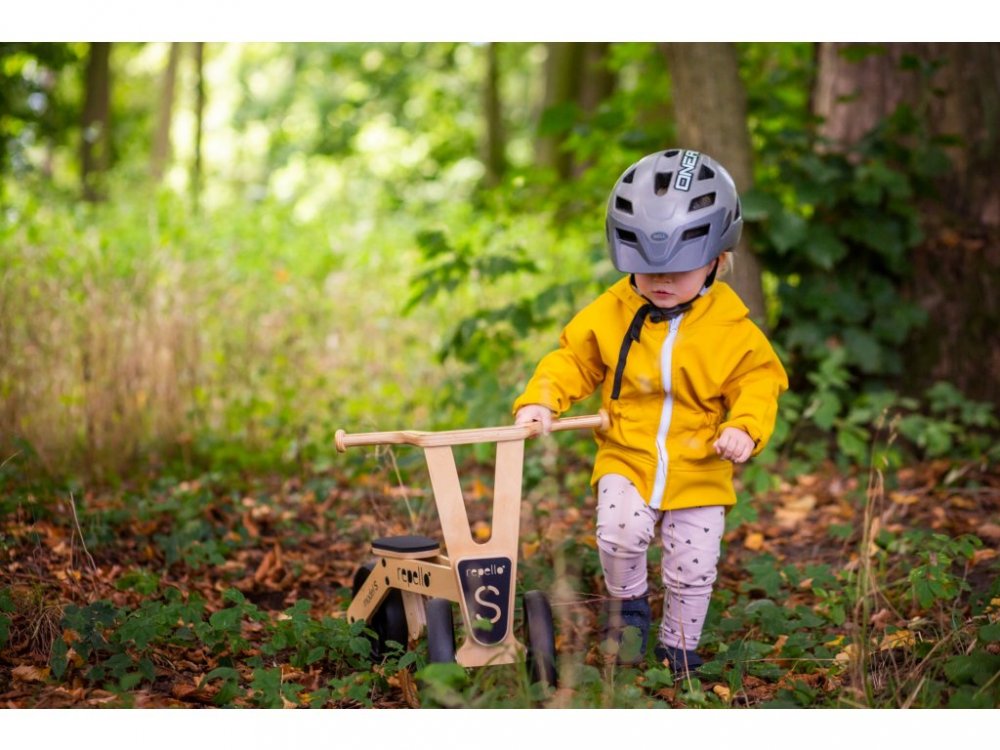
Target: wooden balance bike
point(411, 585)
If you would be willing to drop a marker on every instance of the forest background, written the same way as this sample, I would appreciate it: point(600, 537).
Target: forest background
point(214, 255)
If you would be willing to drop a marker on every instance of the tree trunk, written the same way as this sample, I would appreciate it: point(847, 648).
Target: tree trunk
point(496, 163)
point(161, 139)
point(711, 112)
point(96, 147)
point(956, 271)
point(597, 81)
point(199, 114)
point(562, 72)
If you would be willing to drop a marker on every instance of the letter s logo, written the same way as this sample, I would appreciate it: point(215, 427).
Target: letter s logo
point(494, 590)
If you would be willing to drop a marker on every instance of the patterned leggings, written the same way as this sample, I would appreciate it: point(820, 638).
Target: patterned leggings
point(691, 539)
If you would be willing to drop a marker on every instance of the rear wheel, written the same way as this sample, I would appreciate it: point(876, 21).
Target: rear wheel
point(539, 635)
point(440, 631)
point(389, 620)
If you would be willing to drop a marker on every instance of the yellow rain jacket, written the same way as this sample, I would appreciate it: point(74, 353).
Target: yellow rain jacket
point(684, 381)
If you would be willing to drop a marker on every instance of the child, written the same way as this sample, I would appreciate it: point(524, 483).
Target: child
point(691, 385)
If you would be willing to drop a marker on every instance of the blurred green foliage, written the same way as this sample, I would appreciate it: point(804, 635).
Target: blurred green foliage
point(348, 266)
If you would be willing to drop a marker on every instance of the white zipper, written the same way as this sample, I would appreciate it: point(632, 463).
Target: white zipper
point(666, 377)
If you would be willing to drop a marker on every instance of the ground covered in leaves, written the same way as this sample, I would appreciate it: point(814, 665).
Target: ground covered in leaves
point(836, 588)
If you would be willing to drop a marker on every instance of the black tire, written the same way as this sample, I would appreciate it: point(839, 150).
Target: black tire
point(440, 631)
point(539, 636)
point(389, 620)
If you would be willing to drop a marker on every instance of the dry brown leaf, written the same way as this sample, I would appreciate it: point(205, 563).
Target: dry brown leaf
point(981, 555)
point(962, 502)
point(881, 618)
point(408, 686)
point(754, 541)
point(899, 639)
point(903, 498)
point(528, 549)
point(794, 510)
point(27, 673)
point(989, 530)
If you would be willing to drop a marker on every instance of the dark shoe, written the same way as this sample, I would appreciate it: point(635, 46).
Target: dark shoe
point(627, 630)
point(679, 661)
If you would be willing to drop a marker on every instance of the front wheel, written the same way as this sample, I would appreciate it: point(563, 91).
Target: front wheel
point(539, 635)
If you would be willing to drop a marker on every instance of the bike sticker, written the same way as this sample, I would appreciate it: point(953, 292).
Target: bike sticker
point(486, 589)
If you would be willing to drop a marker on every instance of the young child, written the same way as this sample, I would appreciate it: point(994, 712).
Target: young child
point(691, 385)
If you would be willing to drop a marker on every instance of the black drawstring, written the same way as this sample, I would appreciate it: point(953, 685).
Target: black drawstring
point(655, 314)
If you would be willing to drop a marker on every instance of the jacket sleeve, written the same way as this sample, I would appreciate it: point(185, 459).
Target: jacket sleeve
point(752, 389)
point(568, 374)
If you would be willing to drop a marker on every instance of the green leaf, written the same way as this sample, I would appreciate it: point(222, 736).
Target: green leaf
point(977, 668)
point(990, 633)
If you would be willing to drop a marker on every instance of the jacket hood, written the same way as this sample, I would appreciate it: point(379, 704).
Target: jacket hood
point(725, 304)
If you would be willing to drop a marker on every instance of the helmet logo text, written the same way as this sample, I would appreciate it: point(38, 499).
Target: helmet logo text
point(686, 174)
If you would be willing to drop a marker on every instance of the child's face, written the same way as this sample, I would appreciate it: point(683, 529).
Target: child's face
point(670, 289)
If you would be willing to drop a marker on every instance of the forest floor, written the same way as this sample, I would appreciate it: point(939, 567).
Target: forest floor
point(836, 590)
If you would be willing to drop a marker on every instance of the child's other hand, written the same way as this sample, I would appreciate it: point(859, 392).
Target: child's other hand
point(535, 413)
point(734, 445)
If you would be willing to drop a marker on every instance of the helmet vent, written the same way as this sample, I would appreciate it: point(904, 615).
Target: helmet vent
point(626, 236)
point(628, 178)
point(623, 205)
point(701, 202)
point(692, 234)
point(672, 152)
point(739, 213)
point(706, 172)
point(662, 182)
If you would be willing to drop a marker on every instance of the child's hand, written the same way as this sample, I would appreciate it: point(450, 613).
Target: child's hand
point(535, 413)
point(734, 445)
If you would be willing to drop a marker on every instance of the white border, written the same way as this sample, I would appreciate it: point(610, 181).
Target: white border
point(492, 20)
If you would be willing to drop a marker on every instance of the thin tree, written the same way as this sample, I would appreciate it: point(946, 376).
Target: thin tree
point(161, 138)
point(199, 117)
point(95, 153)
point(496, 163)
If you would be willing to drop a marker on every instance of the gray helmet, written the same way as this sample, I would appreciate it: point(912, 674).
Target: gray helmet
point(672, 211)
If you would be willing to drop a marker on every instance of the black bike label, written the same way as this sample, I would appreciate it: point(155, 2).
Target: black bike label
point(486, 589)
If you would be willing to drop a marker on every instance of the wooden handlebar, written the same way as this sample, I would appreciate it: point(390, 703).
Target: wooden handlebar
point(344, 441)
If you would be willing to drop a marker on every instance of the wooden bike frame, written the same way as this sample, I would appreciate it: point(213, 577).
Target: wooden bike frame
point(480, 576)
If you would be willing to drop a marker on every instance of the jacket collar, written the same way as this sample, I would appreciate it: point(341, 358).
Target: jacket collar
point(720, 300)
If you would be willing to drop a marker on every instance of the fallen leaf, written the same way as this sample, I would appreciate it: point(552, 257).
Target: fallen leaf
point(962, 502)
point(27, 673)
point(847, 655)
point(898, 639)
point(903, 498)
point(794, 510)
point(528, 549)
point(981, 555)
point(481, 531)
point(989, 530)
point(779, 644)
point(723, 692)
point(409, 688)
point(881, 618)
point(754, 541)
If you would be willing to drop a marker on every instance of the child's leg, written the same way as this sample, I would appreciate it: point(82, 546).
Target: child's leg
point(624, 529)
point(691, 541)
